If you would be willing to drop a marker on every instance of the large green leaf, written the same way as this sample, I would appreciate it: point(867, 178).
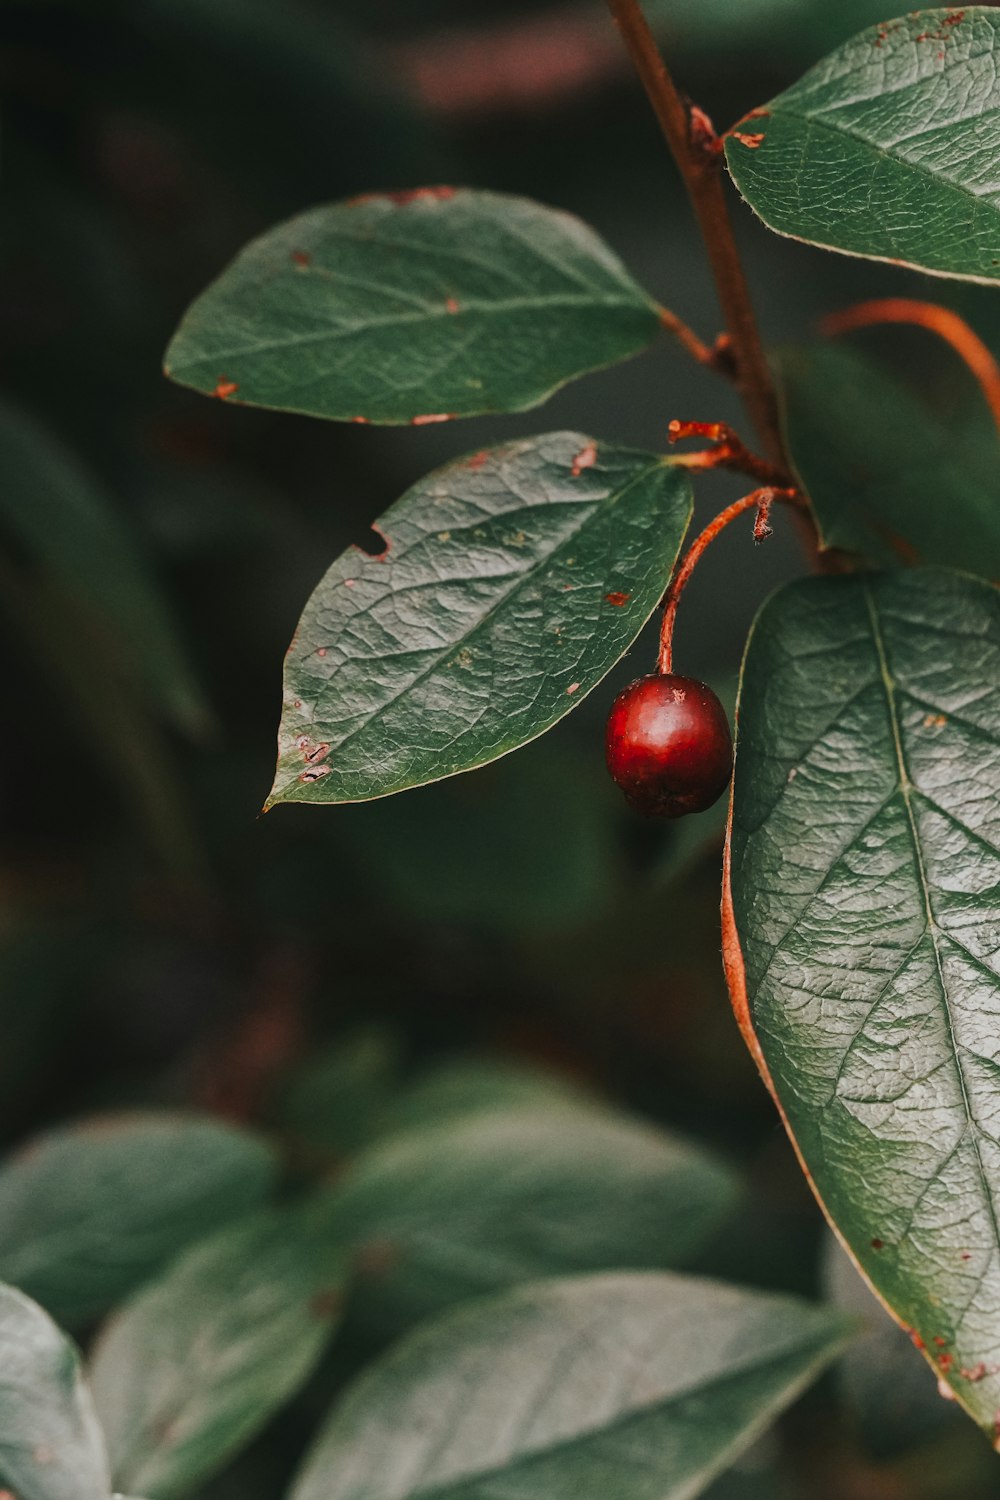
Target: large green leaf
point(862, 941)
point(483, 1200)
point(885, 474)
point(89, 1211)
point(188, 1370)
point(636, 1387)
point(888, 148)
point(413, 307)
point(511, 581)
point(60, 517)
point(51, 1446)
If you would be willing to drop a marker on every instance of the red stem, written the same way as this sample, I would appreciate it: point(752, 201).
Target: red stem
point(940, 320)
point(761, 500)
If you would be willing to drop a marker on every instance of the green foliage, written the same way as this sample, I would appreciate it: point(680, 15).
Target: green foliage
point(187, 1371)
point(549, 552)
point(413, 307)
point(51, 1446)
point(90, 1211)
point(887, 476)
point(572, 1188)
point(450, 1275)
point(886, 148)
point(864, 887)
point(59, 517)
point(500, 1397)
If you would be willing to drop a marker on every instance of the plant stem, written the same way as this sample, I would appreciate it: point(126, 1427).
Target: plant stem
point(940, 320)
point(730, 452)
point(761, 500)
point(699, 167)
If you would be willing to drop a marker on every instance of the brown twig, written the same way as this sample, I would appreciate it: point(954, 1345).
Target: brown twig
point(730, 452)
point(698, 161)
point(760, 500)
point(940, 320)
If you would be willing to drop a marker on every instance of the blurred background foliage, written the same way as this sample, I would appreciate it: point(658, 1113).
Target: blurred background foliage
point(161, 944)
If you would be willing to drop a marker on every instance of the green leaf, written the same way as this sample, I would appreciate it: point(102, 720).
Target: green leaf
point(862, 939)
point(335, 1099)
point(640, 1387)
point(51, 1446)
point(885, 474)
point(511, 581)
point(484, 1200)
point(413, 307)
point(188, 1370)
point(887, 149)
point(64, 522)
point(89, 1211)
point(476, 1085)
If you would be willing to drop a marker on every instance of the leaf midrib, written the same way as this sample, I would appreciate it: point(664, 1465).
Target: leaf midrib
point(886, 153)
point(359, 328)
point(931, 929)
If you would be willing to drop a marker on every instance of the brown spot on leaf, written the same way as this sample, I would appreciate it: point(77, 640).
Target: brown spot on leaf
point(434, 416)
point(617, 599)
point(225, 388)
point(314, 773)
point(327, 1304)
point(301, 258)
point(585, 459)
point(573, 688)
point(878, 1244)
point(451, 305)
point(749, 139)
point(476, 460)
point(362, 421)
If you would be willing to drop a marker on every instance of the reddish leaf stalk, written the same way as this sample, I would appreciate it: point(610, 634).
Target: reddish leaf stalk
point(730, 452)
point(940, 320)
point(760, 500)
point(698, 161)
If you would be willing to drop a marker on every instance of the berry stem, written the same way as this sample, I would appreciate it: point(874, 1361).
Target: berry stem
point(940, 320)
point(695, 149)
point(730, 452)
point(760, 500)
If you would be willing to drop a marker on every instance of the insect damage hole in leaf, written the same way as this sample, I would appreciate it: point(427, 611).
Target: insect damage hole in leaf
point(484, 621)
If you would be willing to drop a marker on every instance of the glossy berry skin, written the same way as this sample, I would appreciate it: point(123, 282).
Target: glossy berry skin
point(668, 745)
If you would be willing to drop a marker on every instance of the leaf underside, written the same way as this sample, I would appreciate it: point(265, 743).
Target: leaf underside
point(413, 307)
point(511, 581)
point(889, 148)
point(865, 891)
point(887, 477)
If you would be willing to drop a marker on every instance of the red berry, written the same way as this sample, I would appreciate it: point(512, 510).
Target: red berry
point(668, 745)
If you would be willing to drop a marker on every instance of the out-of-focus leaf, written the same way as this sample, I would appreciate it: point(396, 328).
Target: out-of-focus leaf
point(187, 1371)
point(887, 148)
point(336, 1099)
point(885, 474)
point(510, 583)
point(861, 932)
point(89, 1211)
point(60, 518)
point(476, 1085)
point(483, 1200)
point(892, 1395)
point(51, 1445)
point(413, 307)
point(630, 1386)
